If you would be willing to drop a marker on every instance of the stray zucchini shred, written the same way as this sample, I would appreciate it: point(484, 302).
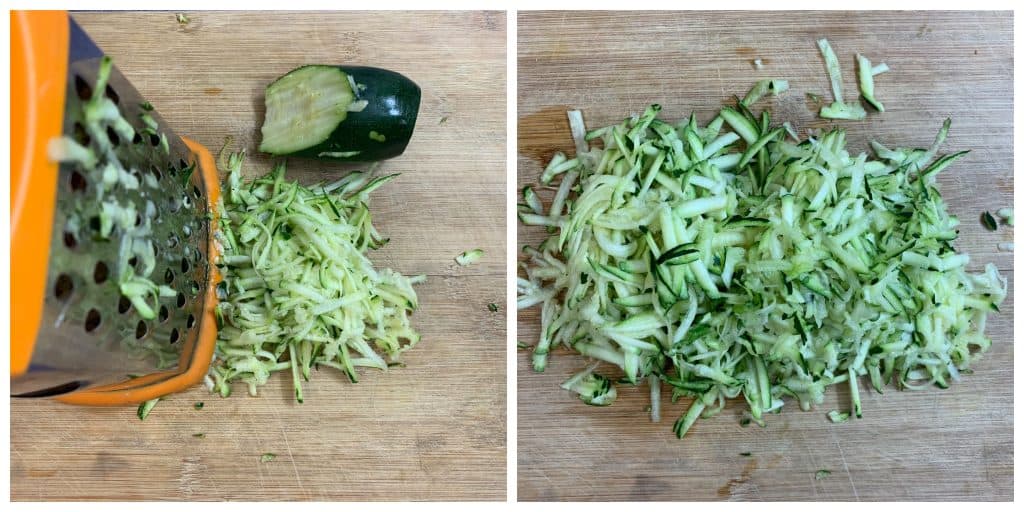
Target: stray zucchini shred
point(838, 417)
point(146, 407)
point(469, 257)
point(1007, 215)
point(988, 221)
point(838, 109)
point(592, 388)
point(866, 81)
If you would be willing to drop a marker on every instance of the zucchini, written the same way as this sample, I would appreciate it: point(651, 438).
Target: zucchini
point(347, 113)
point(1006, 214)
point(299, 291)
point(592, 388)
point(728, 260)
point(838, 109)
point(469, 257)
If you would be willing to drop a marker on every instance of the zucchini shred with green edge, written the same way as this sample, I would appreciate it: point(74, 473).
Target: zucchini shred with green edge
point(298, 290)
point(725, 260)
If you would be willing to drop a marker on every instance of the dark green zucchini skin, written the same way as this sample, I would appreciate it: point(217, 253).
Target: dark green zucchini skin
point(394, 104)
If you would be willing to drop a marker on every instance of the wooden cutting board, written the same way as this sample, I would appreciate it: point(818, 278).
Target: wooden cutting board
point(432, 430)
point(954, 444)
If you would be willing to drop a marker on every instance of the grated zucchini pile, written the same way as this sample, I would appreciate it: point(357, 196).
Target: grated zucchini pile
point(298, 290)
point(732, 260)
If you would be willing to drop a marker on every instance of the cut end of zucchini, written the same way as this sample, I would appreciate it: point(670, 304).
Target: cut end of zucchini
point(304, 107)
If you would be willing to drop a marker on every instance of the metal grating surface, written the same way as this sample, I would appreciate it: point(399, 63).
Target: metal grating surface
point(89, 328)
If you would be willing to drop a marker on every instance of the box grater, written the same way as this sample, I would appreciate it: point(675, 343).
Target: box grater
point(80, 329)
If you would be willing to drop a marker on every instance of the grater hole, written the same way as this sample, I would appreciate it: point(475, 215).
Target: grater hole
point(92, 320)
point(112, 94)
point(154, 140)
point(182, 164)
point(186, 201)
point(174, 204)
point(134, 260)
point(78, 182)
point(196, 192)
point(181, 300)
point(63, 287)
point(100, 272)
point(195, 288)
point(156, 172)
point(138, 220)
point(137, 138)
point(94, 223)
point(191, 321)
point(112, 135)
point(69, 240)
point(80, 135)
point(171, 170)
point(174, 335)
point(164, 313)
point(172, 242)
point(82, 88)
point(168, 276)
point(140, 330)
point(123, 305)
point(185, 265)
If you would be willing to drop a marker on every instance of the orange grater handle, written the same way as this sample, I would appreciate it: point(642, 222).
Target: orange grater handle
point(39, 59)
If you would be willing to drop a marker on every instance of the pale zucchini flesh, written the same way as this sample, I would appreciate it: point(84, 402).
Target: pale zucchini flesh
point(304, 108)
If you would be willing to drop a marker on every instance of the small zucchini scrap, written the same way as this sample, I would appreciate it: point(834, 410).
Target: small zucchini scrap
point(531, 200)
point(866, 78)
point(838, 417)
point(592, 388)
point(838, 109)
point(1006, 214)
point(469, 257)
point(146, 407)
point(988, 221)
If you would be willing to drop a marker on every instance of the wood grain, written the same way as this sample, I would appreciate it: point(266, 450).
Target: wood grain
point(931, 445)
point(432, 430)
